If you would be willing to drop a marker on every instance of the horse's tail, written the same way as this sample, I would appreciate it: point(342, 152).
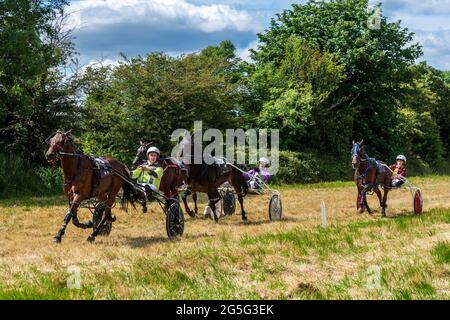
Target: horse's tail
point(129, 193)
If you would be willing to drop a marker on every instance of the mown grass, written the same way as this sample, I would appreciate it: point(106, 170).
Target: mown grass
point(239, 270)
point(291, 259)
point(343, 184)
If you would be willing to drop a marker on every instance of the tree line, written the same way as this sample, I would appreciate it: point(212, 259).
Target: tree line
point(320, 75)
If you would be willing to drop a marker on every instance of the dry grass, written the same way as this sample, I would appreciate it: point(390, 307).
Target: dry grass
point(290, 259)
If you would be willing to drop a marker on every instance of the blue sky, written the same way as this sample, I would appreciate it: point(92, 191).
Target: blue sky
point(104, 28)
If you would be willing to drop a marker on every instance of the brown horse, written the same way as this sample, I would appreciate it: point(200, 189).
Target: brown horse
point(80, 184)
point(174, 177)
point(369, 175)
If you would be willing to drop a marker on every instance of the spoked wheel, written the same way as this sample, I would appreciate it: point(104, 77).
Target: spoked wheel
point(275, 208)
point(174, 219)
point(107, 226)
point(418, 202)
point(229, 203)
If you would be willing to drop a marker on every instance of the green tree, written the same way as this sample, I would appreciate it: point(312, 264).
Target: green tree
point(36, 97)
point(299, 85)
point(375, 61)
point(427, 94)
point(147, 98)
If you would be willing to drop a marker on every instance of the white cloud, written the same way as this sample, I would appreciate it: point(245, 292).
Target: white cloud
point(244, 53)
point(416, 6)
point(174, 13)
point(436, 47)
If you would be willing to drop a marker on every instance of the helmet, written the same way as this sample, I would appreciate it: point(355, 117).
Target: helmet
point(401, 157)
point(264, 160)
point(153, 149)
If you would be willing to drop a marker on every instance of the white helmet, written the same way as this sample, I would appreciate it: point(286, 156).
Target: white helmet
point(153, 149)
point(401, 157)
point(264, 160)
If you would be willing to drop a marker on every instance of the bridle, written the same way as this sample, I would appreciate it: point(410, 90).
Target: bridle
point(356, 152)
point(58, 149)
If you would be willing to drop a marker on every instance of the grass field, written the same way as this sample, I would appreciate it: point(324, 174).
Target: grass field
point(404, 256)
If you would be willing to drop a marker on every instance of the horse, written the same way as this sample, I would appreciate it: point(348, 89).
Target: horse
point(369, 175)
point(207, 178)
point(80, 183)
point(173, 175)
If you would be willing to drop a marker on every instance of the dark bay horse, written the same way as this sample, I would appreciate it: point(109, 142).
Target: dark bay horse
point(370, 174)
point(80, 184)
point(207, 178)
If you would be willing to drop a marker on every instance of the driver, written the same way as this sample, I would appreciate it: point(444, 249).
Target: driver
point(150, 172)
point(261, 170)
point(399, 171)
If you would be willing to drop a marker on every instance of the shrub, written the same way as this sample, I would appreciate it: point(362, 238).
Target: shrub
point(296, 167)
point(18, 177)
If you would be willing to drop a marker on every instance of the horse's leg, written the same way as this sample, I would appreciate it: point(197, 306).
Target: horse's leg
point(184, 198)
point(67, 217)
point(62, 230)
point(83, 225)
point(384, 206)
point(213, 197)
point(241, 203)
point(194, 197)
point(378, 192)
point(364, 195)
point(362, 207)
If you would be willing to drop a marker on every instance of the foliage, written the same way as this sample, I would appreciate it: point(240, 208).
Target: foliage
point(147, 98)
point(18, 176)
point(299, 85)
point(296, 167)
point(35, 96)
point(321, 74)
point(373, 62)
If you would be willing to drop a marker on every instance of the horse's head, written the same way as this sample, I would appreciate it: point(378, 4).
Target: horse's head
point(58, 142)
point(358, 153)
point(141, 154)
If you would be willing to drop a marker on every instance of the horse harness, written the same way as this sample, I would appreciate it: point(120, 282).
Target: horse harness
point(370, 163)
point(100, 166)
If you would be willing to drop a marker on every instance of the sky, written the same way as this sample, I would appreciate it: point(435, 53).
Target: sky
point(105, 28)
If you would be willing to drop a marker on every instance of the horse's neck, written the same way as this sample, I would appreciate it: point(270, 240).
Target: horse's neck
point(69, 163)
point(362, 166)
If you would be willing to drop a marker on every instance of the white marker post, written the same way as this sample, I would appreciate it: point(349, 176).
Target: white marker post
point(324, 214)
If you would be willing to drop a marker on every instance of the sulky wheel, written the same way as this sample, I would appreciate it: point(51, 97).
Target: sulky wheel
point(174, 219)
point(229, 203)
point(418, 202)
point(107, 226)
point(275, 208)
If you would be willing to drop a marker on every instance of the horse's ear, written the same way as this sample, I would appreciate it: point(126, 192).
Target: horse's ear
point(140, 141)
point(362, 142)
point(68, 132)
point(353, 142)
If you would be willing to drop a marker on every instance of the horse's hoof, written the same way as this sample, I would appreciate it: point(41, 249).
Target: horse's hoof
point(191, 214)
point(361, 210)
point(144, 210)
point(57, 240)
point(91, 239)
point(244, 218)
point(88, 224)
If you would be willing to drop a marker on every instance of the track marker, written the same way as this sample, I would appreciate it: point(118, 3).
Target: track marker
point(324, 214)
